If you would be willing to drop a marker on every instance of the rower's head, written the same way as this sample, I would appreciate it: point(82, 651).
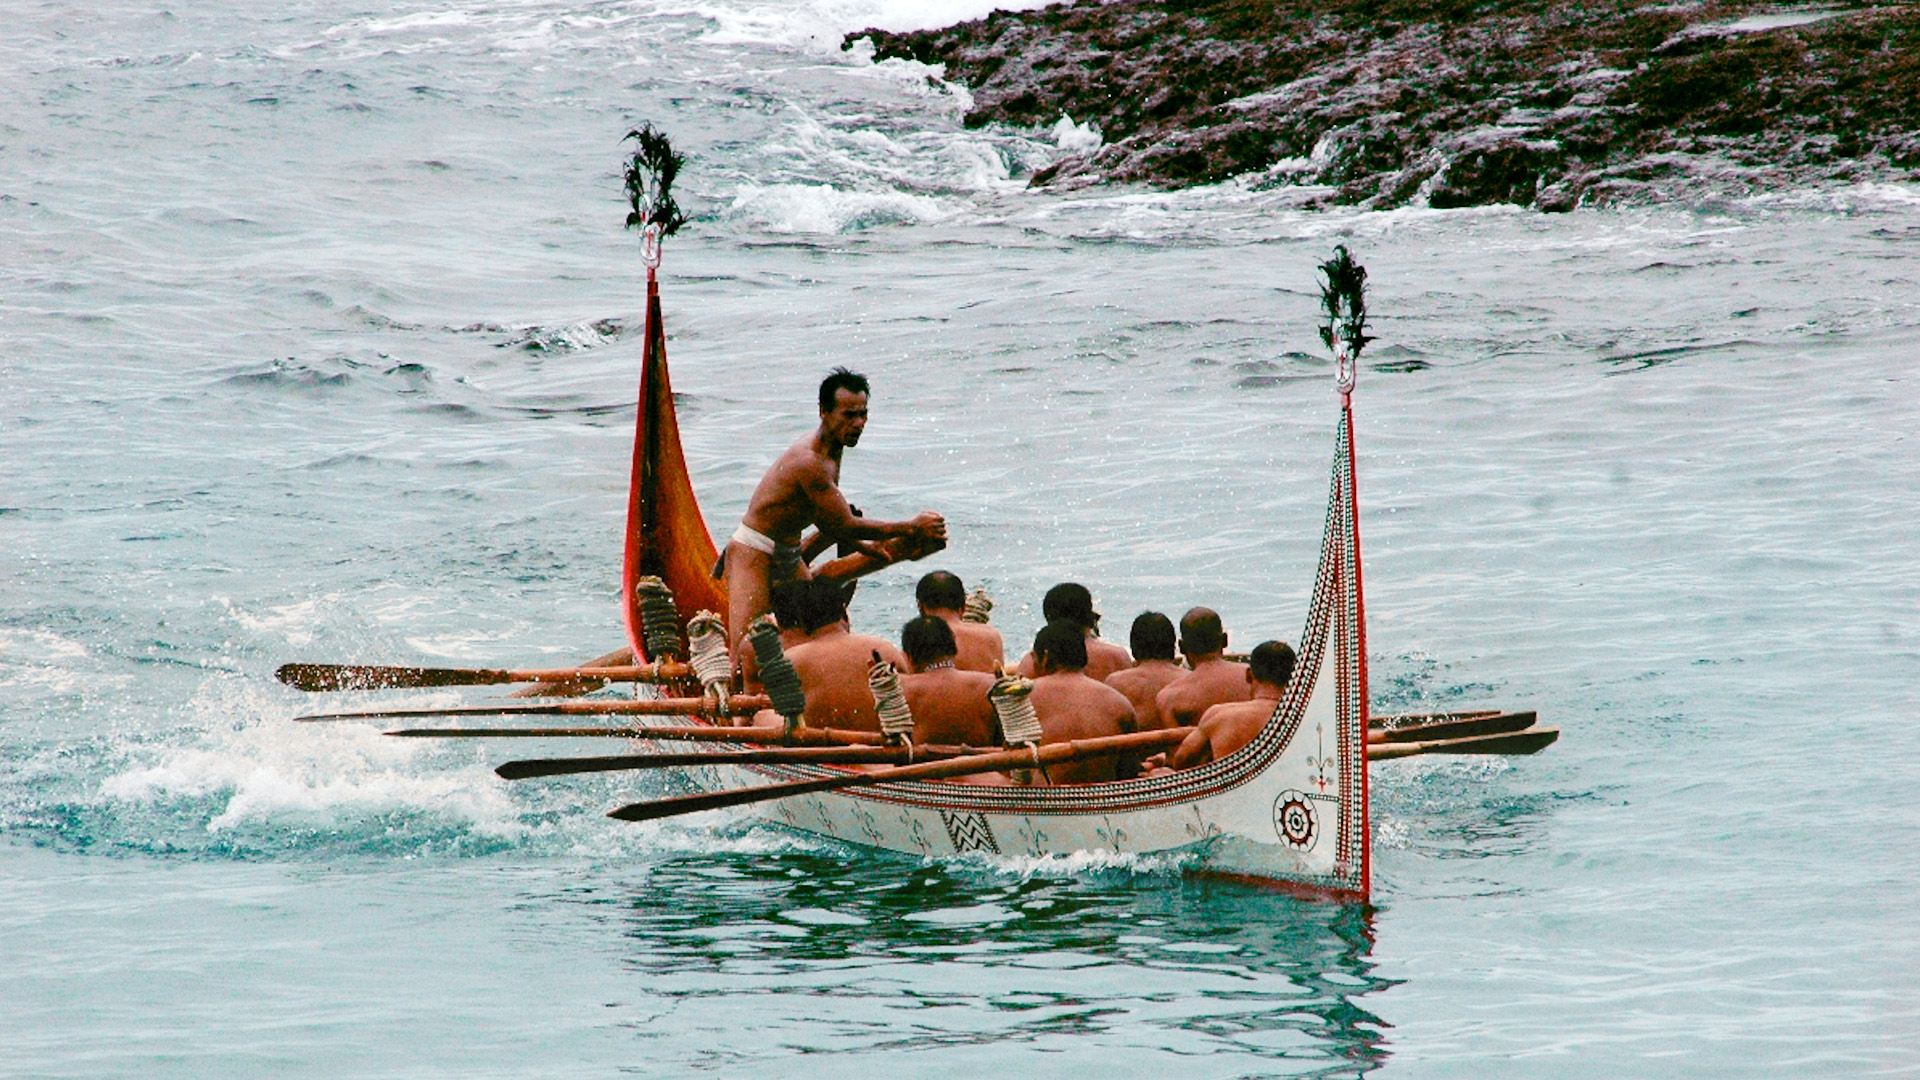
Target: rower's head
point(825, 604)
point(789, 602)
point(927, 641)
point(1201, 633)
point(1271, 663)
point(843, 406)
point(940, 591)
point(1071, 601)
point(1152, 637)
point(1061, 645)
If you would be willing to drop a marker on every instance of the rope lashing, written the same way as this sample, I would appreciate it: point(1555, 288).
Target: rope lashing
point(776, 671)
point(1012, 701)
point(977, 607)
point(896, 718)
point(707, 634)
point(659, 619)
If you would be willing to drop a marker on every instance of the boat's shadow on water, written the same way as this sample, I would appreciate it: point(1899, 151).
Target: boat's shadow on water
point(1143, 966)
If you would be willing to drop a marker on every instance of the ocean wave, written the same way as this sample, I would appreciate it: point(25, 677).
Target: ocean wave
point(826, 209)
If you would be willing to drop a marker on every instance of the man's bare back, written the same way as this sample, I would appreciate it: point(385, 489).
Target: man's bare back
point(950, 706)
point(1212, 681)
point(1226, 728)
point(979, 647)
point(1072, 706)
point(833, 671)
point(1141, 684)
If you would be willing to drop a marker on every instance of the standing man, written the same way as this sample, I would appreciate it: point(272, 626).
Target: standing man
point(802, 489)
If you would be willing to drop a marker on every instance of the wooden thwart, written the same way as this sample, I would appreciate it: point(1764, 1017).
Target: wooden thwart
point(1051, 754)
point(323, 677)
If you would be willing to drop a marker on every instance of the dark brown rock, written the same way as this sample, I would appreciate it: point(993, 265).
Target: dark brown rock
point(1451, 102)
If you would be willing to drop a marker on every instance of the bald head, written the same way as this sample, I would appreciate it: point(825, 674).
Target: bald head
point(1201, 633)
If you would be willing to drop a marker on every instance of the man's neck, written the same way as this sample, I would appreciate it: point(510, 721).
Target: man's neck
point(933, 666)
point(1158, 662)
point(946, 615)
point(1266, 692)
point(1198, 661)
point(831, 630)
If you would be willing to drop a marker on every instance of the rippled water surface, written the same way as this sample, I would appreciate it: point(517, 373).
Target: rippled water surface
point(318, 338)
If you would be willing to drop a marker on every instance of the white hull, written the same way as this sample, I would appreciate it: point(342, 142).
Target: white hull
point(1288, 809)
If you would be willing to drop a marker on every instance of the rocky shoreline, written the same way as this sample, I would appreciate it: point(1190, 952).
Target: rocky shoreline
point(1449, 103)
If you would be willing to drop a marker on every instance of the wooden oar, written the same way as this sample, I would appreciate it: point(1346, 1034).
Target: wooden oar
point(1397, 720)
point(701, 733)
point(778, 755)
point(743, 705)
point(321, 677)
point(1051, 754)
point(1518, 742)
point(1454, 728)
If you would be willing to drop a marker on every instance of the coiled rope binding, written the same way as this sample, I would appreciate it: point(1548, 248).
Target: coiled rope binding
point(890, 701)
point(776, 671)
point(659, 619)
point(1012, 701)
point(711, 663)
point(978, 607)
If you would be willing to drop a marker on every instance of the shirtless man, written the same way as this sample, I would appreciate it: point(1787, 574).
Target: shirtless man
point(1152, 670)
point(1213, 680)
point(832, 663)
point(980, 647)
point(1226, 728)
point(1073, 603)
point(1071, 705)
point(803, 489)
point(950, 706)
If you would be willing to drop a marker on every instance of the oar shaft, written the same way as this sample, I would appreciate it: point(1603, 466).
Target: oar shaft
point(795, 755)
point(1453, 727)
point(1050, 754)
point(699, 733)
point(741, 705)
point(323, 677)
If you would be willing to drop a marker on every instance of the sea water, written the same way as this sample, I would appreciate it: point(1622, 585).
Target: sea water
point(318, 341)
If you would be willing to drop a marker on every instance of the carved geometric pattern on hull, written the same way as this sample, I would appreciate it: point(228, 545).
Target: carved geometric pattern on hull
point(969, 832)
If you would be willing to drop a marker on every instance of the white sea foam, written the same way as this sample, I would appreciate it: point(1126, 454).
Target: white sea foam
point(1074, 138)
point(826, 209)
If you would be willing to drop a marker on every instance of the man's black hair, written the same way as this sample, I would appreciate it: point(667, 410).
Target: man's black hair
point(940, 591)
point(789, 602)
point(1061, 643)
point(837, 380)
point(927, 639)
point(826, 604)
point(1201, 632)
point(1070, 600)
point(1272, 662)
point(1152, 637)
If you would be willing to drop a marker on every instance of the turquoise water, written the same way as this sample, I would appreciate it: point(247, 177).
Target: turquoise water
point(318, 342)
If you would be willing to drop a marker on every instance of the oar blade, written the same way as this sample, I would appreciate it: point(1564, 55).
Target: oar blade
point(327, 677)
point(1456, 728)
point(720, 800)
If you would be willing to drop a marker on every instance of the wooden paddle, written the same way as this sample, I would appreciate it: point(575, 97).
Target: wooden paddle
point(1454, 728)
point(700, 733)
point(742, 705)
point(1050, 754)
point(778, 755)
point(1518, 742)
point(320, 677)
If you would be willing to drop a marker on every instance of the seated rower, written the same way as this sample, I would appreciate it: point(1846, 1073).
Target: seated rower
point(950, 706)
point(1153, 668)
point(1072, 706)
point(832, 663)
point(980, 647)
point(1226, 728)
point(1213, 680)
point(1072, 602)
point(790, 611)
